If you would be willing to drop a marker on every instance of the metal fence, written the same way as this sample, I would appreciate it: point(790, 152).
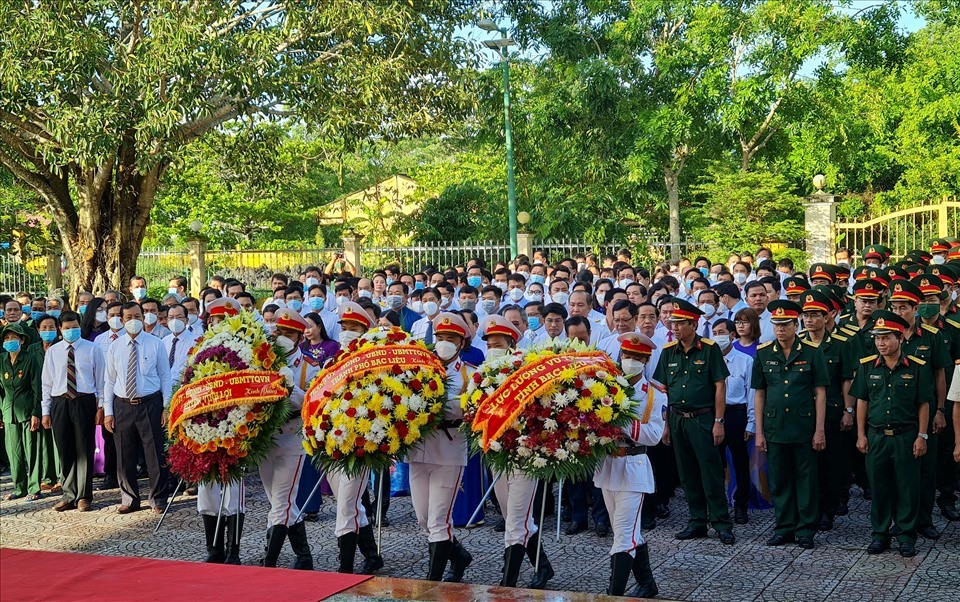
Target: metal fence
point(903, 230)
point(15, 277)
point(439, 254)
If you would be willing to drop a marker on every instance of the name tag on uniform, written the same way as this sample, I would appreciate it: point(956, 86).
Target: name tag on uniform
point(672, 365)
point(699, 362)
point(772, 363)
point(907, 376)
point(800, 363)
point(923, 347)
point(876, 377)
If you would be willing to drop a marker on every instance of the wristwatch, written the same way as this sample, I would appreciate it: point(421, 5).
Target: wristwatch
point(849, 410)
point(718, 420)
point(924, 436)
point(944, 410)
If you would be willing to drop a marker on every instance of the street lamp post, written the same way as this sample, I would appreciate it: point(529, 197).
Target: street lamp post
point(500, 45)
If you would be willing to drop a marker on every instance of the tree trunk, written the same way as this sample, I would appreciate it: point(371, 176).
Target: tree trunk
point(672, 182)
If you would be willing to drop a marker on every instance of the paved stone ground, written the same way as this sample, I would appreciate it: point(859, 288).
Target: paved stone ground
point(838, 569)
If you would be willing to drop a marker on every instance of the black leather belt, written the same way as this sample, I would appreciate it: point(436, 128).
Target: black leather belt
point(451, 424)
point(630, 450)
point(692, 414)
point(135, 401)
point(736, 407)
point(893, 430)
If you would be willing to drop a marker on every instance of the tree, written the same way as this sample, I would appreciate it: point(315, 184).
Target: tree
point(97, 99)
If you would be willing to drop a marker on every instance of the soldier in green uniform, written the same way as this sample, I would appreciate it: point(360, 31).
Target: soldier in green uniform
point(795, 286)
point(893, 393)
point(926, 343)
point(694, 372)
point(823, 273)
point(20, 410)
point(834, 464)
point(790, 379)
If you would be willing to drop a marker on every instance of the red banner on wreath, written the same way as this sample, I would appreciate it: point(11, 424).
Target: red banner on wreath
point(499, 410)
point(380, 358)
point(224, 391)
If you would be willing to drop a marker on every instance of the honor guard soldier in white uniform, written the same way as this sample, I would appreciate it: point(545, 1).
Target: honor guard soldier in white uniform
point(280, 472)
point(436, 465)
point(626, 477)
point(208, 495)
point(352, 528)
point(515, 490)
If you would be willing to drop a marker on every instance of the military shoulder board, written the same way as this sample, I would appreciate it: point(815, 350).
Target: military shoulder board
point(869, 359)
point(929, 328)
point(708, 341)
point(917, 359)
point(763, 346)
point(670, 344)
point(840, 337)
point(953, 323)
point(811, 343)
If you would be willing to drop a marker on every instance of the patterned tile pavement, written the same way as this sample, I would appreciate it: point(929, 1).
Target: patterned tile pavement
point(838, 569)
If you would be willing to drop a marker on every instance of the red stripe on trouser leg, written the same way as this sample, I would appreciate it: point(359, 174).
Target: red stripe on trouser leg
point(456, 488)
point(633, 534)
point(293, 485)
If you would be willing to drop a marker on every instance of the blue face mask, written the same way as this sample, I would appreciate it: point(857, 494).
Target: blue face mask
point(25, 309)
point(82, 309)
point(316, 303)
point(48, 336)
point(11, 346)
point(53, 312)
point(295, 304)
point(71, 335)
point(474, 281)
point(704, 271)
point(537, 278)
point(1, 314)
point(418, 286)
point(36, 315)
point(533, 322)
point(389, 281)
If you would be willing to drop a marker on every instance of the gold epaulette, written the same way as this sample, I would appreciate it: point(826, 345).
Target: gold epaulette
point(930, 328)
point(670, 344)
point(917, 359)
point(952, 323)
point(839, 337)
point(869, 359)
point(708, 341)
point(811, 343)
point(767, 344)
point(851, 326)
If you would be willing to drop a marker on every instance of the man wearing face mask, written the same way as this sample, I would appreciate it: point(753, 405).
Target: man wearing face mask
point(137, 390)
point(516, 289)
point(177, 286)
point(13, 314)
point(293, 298)
point(422, 329)
point(515, 491)
point(559, 292)
point(114, 319)
point(178, 342)
point(739, 424)
point(353, 530)
point(489, 301)
point(280, 471)
point(730, 301)
point(20, 407)
point(151, 319)
point(138, 288)
point(437, 464)
point(626, 477)
point(708, 301)
point(397, 301)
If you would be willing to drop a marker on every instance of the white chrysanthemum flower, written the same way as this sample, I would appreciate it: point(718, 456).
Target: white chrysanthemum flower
point(539, 462)
point(572, 446)
point(561, 454)
point(524, 452)
point(605, 440)
point(495, 446)
point(592, 439)
point(550, 425)
point(588, 382)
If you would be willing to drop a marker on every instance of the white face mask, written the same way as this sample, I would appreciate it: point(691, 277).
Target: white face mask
point(515, 294)
point(625, 282)
point(101, 316)
point(417, 306)
point(365, 295)
point(445, 300)
point(560, 298)
point(844, 263)
point(311, 282)
point(501, 285)
point(139, 293)
point(631, 367)
point(116, 323)
point(488, 305)
point(723, 340)
point(581, 267)
point(286, 343)
point(938, 260)
point(133, 326)
point(341, 300)
point(445, 350)
point(739, 277)
point(150, 319)
point(533, 296)
point(431, 308)
point(708, 310)
point(495, 353)
point(346, 337)
point(176, 325)
point(192, 319)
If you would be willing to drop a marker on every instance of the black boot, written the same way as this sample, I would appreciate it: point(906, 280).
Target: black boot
point(348, 551)
point(439, 556)
point(234, 531)
point(214, 538)
point(545, 573)
point(620, 565)
point(372, 560)
point(276, 535)
point(460, 559)
point(297, 534)
point(646, 584)
point(512, 561)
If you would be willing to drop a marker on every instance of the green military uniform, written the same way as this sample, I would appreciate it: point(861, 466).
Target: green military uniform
point(893, 397)
point(789, 422)
point(49, 454)
point(19, 402)
point(690, 377)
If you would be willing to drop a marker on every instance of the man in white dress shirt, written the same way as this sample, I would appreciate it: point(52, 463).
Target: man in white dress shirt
point(757, 299)
point(625, 315)
point(114, 311)
point(179, 341)
point(72, 390)
point(554, 317)
point(422, 329)
point(137, 390)
point(580, 306)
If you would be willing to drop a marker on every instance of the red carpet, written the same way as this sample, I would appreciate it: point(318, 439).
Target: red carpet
point(30, 575)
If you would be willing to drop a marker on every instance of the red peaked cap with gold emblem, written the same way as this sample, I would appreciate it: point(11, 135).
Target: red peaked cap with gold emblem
point(886, 321)
point(684, 310)
point(498, 325)
point(452, 323)
point(352, 312)
point(816, 301)
point(783, 311)
point(940, 245)
point(823, 271)
point(928, 284)
point(945, 273)
point(795, 286)
point(635, 342)
point(289, 318)
point(224, 306)
point(868, 288)
point(904, 290)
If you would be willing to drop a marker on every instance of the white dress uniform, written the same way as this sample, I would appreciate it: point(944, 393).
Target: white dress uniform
point(625, 479)
point(516, 491)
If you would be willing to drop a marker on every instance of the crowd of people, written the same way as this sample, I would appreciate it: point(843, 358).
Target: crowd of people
point(841, 376)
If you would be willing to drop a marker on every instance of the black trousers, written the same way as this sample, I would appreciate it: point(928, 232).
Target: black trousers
point(74, 421)
point(109, 453)
point(137, 429)
point(735, 425)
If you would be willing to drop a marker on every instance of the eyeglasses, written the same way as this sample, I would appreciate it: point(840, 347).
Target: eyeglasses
point(742, 322)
